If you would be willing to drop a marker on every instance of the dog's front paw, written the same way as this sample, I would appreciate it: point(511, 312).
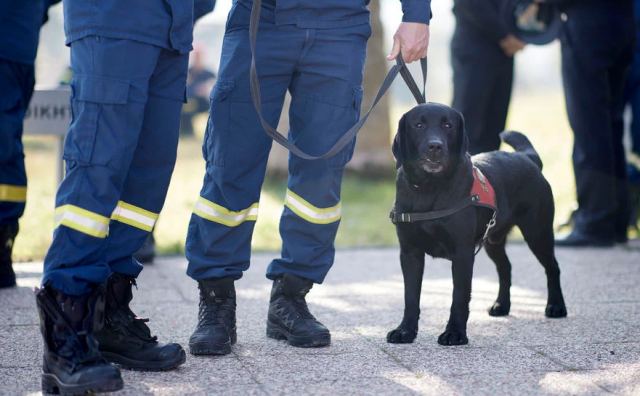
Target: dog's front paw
point(555, 311)
point(453, 337)
point(402, 335)
point(498, 309)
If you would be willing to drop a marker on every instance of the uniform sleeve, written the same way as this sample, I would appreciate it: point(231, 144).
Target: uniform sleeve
point(416, 11)
point(202, 8)
point(484, 15)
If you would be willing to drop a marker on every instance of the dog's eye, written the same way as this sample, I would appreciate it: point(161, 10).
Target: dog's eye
point(447, 125)
point(419, 125)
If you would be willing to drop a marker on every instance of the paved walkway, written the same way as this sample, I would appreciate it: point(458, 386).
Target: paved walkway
point(596, 350)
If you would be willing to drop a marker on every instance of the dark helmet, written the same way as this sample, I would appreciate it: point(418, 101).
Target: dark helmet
point(531, 22)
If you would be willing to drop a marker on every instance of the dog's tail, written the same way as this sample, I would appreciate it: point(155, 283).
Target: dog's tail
point(521, 144)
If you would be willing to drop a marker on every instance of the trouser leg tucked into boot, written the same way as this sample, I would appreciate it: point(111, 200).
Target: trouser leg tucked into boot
point(72, 363)
point(8, 234)
point(126, 340)
point(216, 329)
point(289, 317)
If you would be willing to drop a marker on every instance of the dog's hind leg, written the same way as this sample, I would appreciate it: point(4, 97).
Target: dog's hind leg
point(538, 233)
point(497, 253)
point(412, 262)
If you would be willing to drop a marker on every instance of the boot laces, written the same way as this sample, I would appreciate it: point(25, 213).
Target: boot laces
point(299, 306)
point(214, 310)
point(125, 322)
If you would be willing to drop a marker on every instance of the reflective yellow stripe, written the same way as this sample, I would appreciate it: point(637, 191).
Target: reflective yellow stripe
point(82, 220)
point(216, 213)
point(311, 213)
point(9, 193)
point(134, 216)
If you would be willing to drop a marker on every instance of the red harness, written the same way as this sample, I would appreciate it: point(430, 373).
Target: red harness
point(482, 191)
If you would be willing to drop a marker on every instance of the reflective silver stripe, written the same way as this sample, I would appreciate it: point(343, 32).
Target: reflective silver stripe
point(134, 216)
point(312, 213)
point(82, 220)
point(219, 214)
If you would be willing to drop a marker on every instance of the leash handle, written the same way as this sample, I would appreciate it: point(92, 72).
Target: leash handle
point(350, 134)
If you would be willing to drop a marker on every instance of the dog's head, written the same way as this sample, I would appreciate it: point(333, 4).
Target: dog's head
point(430, 141)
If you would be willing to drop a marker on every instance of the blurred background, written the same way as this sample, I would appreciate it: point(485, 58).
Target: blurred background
point(537, 109)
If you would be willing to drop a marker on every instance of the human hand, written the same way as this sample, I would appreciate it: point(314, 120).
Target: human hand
point(511, 45)
point(412, 40)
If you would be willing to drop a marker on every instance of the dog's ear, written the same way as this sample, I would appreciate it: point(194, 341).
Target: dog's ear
point(398, 142)
point(463, 139)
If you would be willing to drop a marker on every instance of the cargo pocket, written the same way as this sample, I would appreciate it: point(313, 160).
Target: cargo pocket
point(89, 95)
point(218, 123)
point(343, 157)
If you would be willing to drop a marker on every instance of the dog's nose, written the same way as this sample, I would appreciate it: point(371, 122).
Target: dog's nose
point(435, 147)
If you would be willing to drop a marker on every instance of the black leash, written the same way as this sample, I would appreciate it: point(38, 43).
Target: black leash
point(399, 68)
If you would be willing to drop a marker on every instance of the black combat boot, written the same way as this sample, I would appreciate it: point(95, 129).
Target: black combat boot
point(126, 340)
point(8, 234)
point(72, 364)
point(216, 330)
point(289, 317)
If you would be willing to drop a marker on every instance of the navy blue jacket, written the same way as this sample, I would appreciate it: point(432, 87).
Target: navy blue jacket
point(318, 14)
point(20, 22)
point(164, 23)
point(480, 18)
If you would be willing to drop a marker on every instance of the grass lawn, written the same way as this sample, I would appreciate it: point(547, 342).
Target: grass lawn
point(366, 202)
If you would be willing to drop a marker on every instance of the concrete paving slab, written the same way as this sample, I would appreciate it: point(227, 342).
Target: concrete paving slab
point(596, 350)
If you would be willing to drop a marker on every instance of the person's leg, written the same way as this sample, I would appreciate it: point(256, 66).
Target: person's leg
point(124, 339)
point(145, 188)
point(236, 150)
point(326, 96)
point(500, 100)
point(108, 104)
point(16, 87)
point(617, 77)
point(586, 91)
point(108, 100)
point(478, 84)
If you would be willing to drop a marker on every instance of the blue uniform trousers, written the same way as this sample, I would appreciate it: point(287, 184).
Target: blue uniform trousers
point(16, 87)
point(597, 50)
point(120, 153)
point(323, 70)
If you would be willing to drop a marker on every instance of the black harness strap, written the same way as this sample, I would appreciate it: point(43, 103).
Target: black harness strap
point(439, 214)
point(433, 215)
point(399, 68)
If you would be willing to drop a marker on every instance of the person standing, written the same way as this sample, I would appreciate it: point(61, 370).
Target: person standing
point(597, 49)
point(482, 57)
point(129, 62)
point(632, 98)
point(316, 51)
point(20, 23)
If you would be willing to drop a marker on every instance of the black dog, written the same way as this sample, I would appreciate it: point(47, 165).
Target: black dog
point(435, 173)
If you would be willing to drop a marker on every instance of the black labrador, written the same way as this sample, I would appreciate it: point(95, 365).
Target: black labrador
point(434, 172)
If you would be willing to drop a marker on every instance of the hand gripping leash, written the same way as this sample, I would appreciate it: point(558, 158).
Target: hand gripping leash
point(399, 68)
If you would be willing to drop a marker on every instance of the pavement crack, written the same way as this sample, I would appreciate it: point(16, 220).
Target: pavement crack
point(394, 358)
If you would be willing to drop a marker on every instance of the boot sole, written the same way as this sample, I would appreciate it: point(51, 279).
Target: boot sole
point(52, 385)
point(126, 363)
point(209, 348)
point(278, 333)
